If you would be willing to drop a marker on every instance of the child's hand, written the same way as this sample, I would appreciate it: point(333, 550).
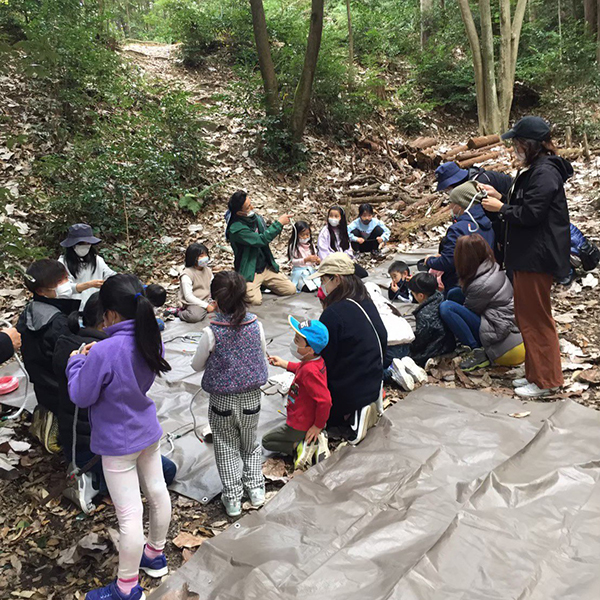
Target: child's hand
point(380, 240)
point(312, 434)
point(211, 307)
point(276, 361)
point(360, 240)
point(394, 287)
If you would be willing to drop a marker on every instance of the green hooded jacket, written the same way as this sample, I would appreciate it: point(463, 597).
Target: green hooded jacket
point(247, 242)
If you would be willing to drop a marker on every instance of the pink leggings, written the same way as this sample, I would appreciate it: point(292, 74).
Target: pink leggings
point(124, 475)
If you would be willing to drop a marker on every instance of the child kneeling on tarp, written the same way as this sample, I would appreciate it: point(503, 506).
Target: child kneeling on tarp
point(303, 435)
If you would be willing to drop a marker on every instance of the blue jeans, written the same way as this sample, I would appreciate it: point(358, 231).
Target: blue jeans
point(462, 322)
point(456, 295)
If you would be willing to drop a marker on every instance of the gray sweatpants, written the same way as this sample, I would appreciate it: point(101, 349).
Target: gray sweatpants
point(233, 421)
point(283, 439)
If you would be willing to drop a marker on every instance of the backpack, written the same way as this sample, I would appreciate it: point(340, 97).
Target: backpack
point(589, 255)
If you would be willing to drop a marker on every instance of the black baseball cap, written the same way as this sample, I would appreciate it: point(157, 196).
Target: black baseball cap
point(529, 128)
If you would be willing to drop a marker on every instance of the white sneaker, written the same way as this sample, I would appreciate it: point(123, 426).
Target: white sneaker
point(520, 382)
point(322, 447)
point(531, 390)
point(81, 492)
point(414, 370)
point(401, 376)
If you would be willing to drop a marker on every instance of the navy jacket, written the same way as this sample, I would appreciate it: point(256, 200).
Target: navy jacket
point(462, 226)
point(6, 347)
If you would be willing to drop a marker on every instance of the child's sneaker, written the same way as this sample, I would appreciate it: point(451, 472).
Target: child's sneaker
point(364, 419)
point(111, 592)
point(322, 447)
point(257, 496)
point(304, 455)
point(401, 376)
point(50, 433)
point(81, 491)
point(233, 508)
point(172, 311)
point(414, 370)
point(154, 567)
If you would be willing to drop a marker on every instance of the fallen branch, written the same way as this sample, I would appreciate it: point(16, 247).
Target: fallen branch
point(403, 230)
point(480, 142)
point(423, 142)
point(465, 164)
point(455, 151)
point(371, 199)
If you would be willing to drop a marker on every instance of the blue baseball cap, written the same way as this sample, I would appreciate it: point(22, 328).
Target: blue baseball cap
point(313, 331)
point(449, 174)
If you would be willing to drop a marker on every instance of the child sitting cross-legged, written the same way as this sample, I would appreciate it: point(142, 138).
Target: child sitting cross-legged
point(194, 285)
point(400, 275)
point(309, 400)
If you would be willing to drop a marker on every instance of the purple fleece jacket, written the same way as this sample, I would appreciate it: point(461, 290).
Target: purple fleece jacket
point(113, 381)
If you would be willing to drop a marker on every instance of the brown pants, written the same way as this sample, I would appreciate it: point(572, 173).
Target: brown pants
point(533, 313)
point(278, 283)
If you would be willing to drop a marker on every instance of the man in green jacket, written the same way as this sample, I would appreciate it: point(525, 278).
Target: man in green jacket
point(250, 240)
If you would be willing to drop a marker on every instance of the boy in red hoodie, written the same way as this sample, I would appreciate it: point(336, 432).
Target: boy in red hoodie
point(309, 401)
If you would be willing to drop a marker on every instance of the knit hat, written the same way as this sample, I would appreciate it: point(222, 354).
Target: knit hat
point(463, 194)
point(337, 263)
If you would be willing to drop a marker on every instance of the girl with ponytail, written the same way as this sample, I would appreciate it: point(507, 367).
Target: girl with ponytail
point(112, 379)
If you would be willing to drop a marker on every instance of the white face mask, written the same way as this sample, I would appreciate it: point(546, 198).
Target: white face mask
point(250, 213)
point(520, 154)
point(305, 241)
point(82, 250)
point(203, 261)
point(294, 351)
point(334, 222)
point(64, 290)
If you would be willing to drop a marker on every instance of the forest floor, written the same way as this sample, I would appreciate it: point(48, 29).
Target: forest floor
point(48, 549)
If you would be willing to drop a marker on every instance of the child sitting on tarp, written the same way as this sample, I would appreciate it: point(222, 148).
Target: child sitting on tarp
point(194, 285)
point(367, 233)
point(303, 256)
point(157, 296)
point(400, 274)
point(584, 255)
point(42, 322)
point(303, 435)
point(432, 337)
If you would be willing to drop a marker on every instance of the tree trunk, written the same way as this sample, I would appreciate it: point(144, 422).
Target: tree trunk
point(426, 13)
point(492, 121)
point(351, 43)
point(265, 60)
point(304, 89)
point(589, 14)
point(598, 32)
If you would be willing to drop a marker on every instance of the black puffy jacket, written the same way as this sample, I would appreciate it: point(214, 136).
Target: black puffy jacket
point(6, 347)
point(42, 322)
point(537, 233)
point(66, 409)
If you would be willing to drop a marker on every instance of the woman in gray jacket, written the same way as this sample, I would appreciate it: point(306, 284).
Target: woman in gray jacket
point(486, 322)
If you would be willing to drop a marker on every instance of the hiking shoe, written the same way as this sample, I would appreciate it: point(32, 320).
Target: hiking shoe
point(304, 454)
point(233, 508)
point(477, 360)
point(172, 311)
point(414, 370)
point(522, 381)
point(531, 390)
point(81, 491)
point(50, 433)
point(322, 447)
point(364, 419)
point(154, 567)
point(401, 376)
point(112, 592)
point(257, 496)
point(35, 429)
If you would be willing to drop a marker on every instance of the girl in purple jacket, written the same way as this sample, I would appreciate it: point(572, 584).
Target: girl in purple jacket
point(112, 379)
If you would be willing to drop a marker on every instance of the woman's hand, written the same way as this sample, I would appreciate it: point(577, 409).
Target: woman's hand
point(276, 361)
point(492, 192)
point(94, 283)
point(15, 337)
point(284, 219)
point(312, 434)
point(492, 204)
point(430, 256)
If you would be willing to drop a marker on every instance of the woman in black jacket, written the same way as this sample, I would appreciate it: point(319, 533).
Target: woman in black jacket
point(357, 343)
point(537, 247)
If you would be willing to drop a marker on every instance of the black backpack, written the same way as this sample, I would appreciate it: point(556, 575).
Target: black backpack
point(589, 255)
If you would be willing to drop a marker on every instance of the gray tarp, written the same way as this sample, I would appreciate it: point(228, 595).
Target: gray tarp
point(447, 498)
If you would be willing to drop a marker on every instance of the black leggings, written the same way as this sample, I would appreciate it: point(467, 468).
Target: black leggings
point(370, 242)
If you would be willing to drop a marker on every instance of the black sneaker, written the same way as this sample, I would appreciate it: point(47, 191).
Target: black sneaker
point(477, 360)
point(363, 420)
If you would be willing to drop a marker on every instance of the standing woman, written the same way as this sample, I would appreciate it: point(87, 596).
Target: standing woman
point(87, 270)
point(537, 247)
point(357, 342)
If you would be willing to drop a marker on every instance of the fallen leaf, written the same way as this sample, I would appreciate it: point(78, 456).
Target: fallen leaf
point(590, 376)
point(187, 554)
point(187, 540)
point(274, 469)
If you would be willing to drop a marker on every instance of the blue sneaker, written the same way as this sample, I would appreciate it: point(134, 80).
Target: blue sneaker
point(111, 592)
point(154, 567)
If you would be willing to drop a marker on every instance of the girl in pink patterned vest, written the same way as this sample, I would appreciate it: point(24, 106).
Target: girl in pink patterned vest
point(232, 354)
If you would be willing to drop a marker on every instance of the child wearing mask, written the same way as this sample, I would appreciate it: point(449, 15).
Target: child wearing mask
point(86, 268)
point(303, 435)
point(112, 379)
point(303, 256)
point(42, 322)
point(194, 285)
point(232, 354)
point(367, 233)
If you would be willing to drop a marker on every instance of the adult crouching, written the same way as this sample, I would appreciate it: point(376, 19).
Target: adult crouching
point(537, 249)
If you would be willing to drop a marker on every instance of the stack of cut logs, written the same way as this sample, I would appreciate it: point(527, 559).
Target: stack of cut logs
point(425, 153)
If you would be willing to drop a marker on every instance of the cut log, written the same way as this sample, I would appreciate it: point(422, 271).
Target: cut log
point(480, 142)
point(423, 142)
point(424, 201)
point(474, 153)
point(586, 146)
point(364, 191)
point(456, 150)
point(568, 136)
point(404, 229)
point(466, 164)
point(371, 199)
point(570, 152)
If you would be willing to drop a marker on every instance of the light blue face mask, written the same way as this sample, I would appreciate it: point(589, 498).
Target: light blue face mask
point(203, 262)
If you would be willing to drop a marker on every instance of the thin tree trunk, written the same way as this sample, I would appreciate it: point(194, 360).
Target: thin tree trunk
point(492, 122)
point(517, 27)
point(598, 33)
point(304, 89)
point(265, 60)
point(589, 14)
point(351, 43)
point(426, 12)
point(505, 83)
point(473, 38)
